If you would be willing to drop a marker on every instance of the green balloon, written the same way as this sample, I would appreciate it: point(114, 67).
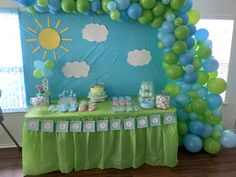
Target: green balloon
point(213, 75)
point(213, 119)
point(32, 10)
point(146, 18)
point(178, 21)
point(157, 22)
point(172, 89)
point(199, 105)
point(174, 71)
point(82, 6)
point(68, 6)
point(164, 65)
point(179, 47)
point(197, 63)
point(160, 45)
point(147, 4)
point(211, 146)
point(208, 113)
point(192, 94)
point(170, 57)
point(115, 14)
point(177, 4)
point(42, 3)
point(181, 32)
point(204, 52)
point(104, 5)
point(203, 77)
point(38, 73)
point(216, 135)
point(216, 85)
point(188, 108)
point(159, 9)
point(49, 64)
point(182, 128)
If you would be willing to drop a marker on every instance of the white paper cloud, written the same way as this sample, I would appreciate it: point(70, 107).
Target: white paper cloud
point(95, 33)
point(76, 69)
point(139, 57)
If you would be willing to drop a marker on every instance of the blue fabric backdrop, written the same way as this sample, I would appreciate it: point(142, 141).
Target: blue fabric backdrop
point(108, 60)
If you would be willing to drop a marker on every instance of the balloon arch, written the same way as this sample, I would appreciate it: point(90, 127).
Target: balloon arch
point(195, 88)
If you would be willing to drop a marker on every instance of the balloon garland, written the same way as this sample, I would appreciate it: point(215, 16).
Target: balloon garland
point(188, 61)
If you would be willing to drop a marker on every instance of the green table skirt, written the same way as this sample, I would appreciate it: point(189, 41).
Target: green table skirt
point(45, 152)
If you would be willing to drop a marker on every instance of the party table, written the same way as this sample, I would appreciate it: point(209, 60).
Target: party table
point(102, 139)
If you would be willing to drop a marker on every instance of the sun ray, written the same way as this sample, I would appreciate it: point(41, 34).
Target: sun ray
point(66, 39)
point(32, 30)
point(36, 50)
point(64, 48)
point(54, 55)
point(31, 40)
point(38, 23)
point(64, 30)
point(45, 54)
point(48, 22)
point(58, 23)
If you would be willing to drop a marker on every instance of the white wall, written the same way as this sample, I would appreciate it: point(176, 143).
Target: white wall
point(208, 9)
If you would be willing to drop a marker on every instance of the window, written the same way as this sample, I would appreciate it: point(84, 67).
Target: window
point(11, 65)
point(220, 33)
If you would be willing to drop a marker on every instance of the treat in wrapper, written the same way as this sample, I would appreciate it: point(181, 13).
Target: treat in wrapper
point(162, 101)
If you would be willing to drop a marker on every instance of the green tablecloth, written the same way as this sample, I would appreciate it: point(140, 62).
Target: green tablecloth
point(66, 151)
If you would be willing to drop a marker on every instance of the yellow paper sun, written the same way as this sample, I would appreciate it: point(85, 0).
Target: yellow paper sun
point(49, 38)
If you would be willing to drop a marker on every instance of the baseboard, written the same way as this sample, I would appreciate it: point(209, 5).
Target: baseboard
point(9, 145)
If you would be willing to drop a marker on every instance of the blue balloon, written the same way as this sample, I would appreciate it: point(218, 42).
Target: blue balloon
point(208, 43)
point(182, 115)
point(184, 87)
point(182, 99)
point(25, 3)
point(189, 69)
point(211, 65)
point(192, 29)
point(184, 18)
point(41, 9)
point(196, 87)
point(170, 17)
point(167, 27)
point(39, 64)
point(208, 129)
point(135, 10)
point(192, 116)
point(54, 5)
point(214, 101)
point(201, 34)
point(217, 112)
point(186, 59)
point(168, 40)
point(123, 15)
point(190, 78)
point(111, 5)
point(192, 143)
point(190, 42)
point(202, 92)
point(122, 4)
point(218, 127)
point(187, 6)
point(196, 127)
point(165, 1)
point(95, 5)
point(228, 139)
